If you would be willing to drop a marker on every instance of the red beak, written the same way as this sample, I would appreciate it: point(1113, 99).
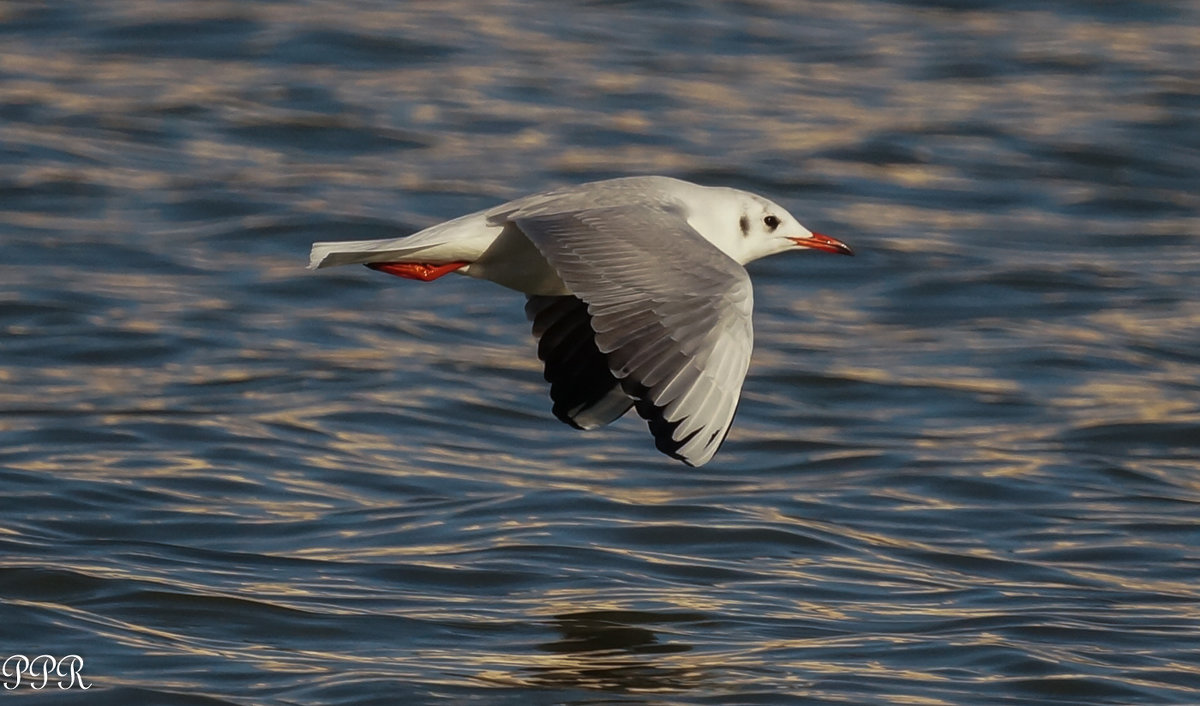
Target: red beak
point(824, 242)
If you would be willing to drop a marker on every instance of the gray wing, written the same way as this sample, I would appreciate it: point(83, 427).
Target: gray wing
point(670, 312)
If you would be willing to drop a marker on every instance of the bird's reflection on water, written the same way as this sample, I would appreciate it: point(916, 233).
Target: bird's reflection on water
point(617, 650)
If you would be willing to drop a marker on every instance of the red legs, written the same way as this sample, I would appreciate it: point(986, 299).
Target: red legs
point(416, 270)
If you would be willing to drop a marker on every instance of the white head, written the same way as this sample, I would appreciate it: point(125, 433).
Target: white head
point(746, 226)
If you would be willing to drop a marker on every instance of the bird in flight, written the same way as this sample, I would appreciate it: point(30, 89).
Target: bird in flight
point(635, 287)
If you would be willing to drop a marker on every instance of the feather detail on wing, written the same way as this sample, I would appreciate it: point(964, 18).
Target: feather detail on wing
point(670, 314)
point(586, 395)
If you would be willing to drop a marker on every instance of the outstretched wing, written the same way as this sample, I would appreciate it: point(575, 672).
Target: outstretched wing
point(670, 312)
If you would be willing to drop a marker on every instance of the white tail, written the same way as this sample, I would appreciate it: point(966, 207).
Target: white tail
point(358, 252)
point(463, 238)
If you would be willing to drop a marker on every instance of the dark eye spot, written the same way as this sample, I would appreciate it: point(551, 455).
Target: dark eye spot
point(745, 224)
point(771, 222)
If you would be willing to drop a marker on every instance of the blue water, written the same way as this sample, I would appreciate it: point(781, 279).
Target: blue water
point(965, 470)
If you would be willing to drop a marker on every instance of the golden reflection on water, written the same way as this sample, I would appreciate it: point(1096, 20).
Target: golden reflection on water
point(436, 430)
point(1044, 105)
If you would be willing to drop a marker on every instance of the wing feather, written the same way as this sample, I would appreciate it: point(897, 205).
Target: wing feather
point(585, 392)
point(670, 314)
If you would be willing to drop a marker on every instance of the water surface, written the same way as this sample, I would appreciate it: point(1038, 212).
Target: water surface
point(964, 469)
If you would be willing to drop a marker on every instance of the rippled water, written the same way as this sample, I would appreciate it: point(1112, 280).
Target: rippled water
point(965, 469)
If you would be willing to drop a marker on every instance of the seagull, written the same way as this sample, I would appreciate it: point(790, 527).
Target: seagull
point(635, 288)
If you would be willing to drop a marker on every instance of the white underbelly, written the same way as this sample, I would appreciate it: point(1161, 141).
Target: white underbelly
point(512, 261)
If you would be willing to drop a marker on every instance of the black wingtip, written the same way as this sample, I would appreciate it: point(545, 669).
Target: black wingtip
point(663, 431)
point(584, 391)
